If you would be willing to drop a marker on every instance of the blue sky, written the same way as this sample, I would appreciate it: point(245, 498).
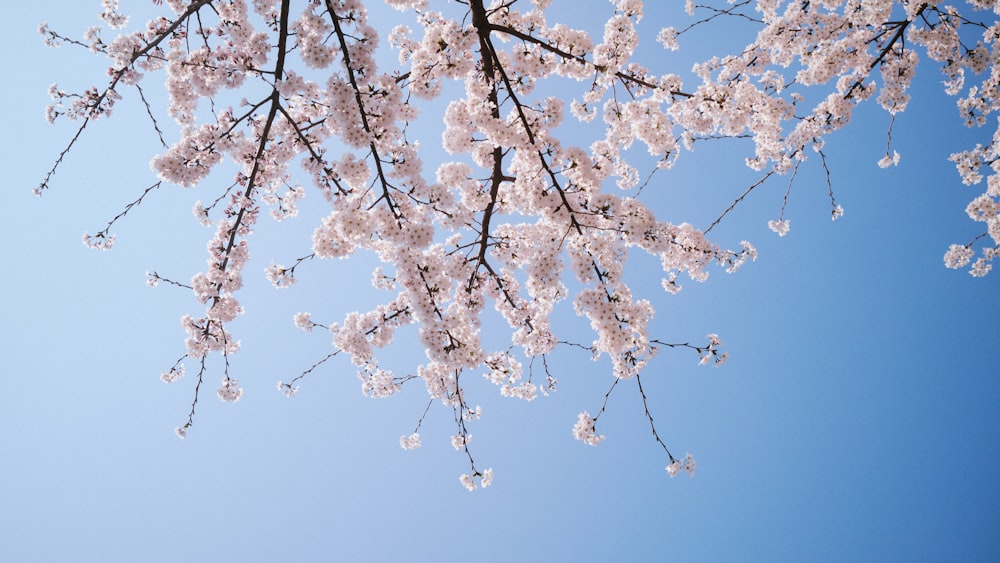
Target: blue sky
point(856, 419)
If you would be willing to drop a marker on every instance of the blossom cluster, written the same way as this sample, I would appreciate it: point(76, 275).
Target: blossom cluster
point(469, 481)
point(677, 465)
point(584, 430)
point(410, 442)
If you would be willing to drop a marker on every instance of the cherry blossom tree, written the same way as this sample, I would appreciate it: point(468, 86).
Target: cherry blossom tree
point(288, 97)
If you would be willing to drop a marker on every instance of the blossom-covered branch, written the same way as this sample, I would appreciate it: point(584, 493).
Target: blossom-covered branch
point(537, 199)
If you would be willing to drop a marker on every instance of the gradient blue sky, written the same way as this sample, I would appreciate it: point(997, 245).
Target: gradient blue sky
point(856, 419)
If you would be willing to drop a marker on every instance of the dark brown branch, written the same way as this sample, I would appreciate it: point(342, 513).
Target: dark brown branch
point(128, 208)
point(649, 417)
point(900, 28)
point(577, 58)
point(738, 200)
point(351, 76)
point(116, 77)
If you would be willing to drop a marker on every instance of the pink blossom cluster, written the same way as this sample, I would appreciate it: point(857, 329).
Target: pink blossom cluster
point(677, 465)
point(985, 208)
point(410, 442)
point(584, 430)
point(469, 481)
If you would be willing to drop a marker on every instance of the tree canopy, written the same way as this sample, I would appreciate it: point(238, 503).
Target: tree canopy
point(549, 142)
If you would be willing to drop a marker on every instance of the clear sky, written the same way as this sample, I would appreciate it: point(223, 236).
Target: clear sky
point(856, 418)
